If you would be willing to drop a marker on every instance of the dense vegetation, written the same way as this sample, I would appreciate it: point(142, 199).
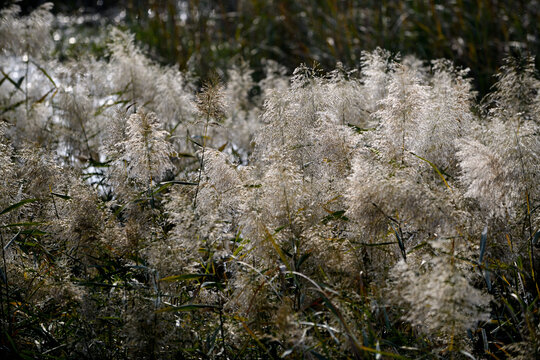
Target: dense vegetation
point(205, 35)
point(378, 213)
point(473, 33)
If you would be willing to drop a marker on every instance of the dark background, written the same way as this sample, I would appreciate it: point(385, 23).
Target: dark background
point(210, 35)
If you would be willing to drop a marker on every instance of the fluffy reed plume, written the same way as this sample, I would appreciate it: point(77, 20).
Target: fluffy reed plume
point(437, 294)
point(500, 160)
point(26, 36)
point(146, 149)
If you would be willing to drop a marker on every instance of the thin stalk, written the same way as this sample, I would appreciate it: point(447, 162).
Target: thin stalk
point(8, 310)
point(149, 167)
point(133, 91)
point(1, 288)
point(221, 327)
point(26, 87)
point(81, 123)
point(54, 203)
point(528, 208)
point(202, 160)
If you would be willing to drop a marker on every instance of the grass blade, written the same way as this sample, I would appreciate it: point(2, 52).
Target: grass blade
point(17, 205)
point(183, 277)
